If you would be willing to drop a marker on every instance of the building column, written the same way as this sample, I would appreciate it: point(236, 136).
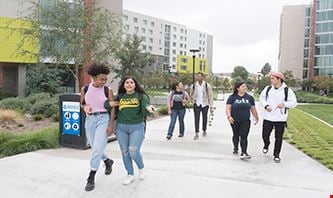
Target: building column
point(21, 80)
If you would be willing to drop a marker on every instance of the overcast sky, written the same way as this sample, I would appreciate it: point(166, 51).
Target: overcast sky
point(245, 32)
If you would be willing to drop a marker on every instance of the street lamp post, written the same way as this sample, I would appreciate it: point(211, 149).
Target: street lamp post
point(193, 56)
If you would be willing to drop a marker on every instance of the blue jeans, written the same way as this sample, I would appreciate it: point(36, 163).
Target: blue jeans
point(181, 114)
point(130, 138)
point(96, 130)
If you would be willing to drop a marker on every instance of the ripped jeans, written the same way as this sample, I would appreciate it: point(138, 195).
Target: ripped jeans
point(130, 138)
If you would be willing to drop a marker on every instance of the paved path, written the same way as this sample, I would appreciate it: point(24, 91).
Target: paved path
point(178, 168)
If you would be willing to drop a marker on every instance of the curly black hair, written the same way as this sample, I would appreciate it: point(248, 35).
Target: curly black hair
point(98, 68)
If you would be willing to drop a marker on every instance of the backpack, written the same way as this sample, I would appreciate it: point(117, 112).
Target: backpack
point(285, 95)
point(118, 98)
point(106, 92)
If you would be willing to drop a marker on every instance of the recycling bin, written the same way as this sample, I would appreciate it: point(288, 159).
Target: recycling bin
point(71, 123)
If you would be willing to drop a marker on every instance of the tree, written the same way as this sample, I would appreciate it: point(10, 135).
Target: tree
point(266, 69)
point(240, 73)
point(226, 84)
point(289, 78)
point(69, 33)
point(41, 78)
point(131, 58)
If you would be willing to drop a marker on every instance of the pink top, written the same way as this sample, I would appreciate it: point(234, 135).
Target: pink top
point(95, 98)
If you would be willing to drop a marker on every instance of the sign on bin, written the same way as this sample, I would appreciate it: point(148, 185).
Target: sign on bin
point(71, 118)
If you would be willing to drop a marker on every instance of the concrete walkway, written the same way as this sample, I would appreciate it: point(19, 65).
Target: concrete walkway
point(177, 168)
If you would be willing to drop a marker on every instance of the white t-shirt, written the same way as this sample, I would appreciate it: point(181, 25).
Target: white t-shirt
point(199, 100)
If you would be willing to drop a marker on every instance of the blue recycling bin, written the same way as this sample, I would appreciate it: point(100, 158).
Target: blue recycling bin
point(71, 124)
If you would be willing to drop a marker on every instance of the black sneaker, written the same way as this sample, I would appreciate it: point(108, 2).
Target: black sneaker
point(108, 166)
point(181, 135)
point(90, 181)
point(235, 152)
point(264, 151)
point(277, 159)
point(245, 156)
point(168, 137)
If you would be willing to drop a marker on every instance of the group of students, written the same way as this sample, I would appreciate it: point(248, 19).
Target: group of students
point(131, 106)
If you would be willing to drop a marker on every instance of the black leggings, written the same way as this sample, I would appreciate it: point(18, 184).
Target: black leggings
point(240, 129)
point(279, 130)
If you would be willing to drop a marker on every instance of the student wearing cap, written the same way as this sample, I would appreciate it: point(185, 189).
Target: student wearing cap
point(276, 100)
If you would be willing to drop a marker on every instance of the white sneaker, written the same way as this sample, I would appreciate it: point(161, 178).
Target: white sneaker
point(129, 179)
point(142, 174)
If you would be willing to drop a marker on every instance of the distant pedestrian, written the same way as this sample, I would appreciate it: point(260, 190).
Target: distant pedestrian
point(276, 100)
point(202, 96)
point(176, 102)
point(98, 124)
point(133, 105)
point(239, 106)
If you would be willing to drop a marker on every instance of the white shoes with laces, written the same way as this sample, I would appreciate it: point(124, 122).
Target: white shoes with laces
point(142, 174)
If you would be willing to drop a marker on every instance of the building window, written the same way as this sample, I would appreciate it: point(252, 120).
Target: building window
point(306, 43)
point(185, 31)
point(183, 60)
point(152, 24)
point(143, 39)
point(160, 41)
point(174, 44)
point(150, 48)
point(144, 47)
point(203, 49)
point(185, 38)
point(136, 29)
point(174, 59)
point(125, 17)
point(308, 12)
point(185, 46)
point(181, 38)
point(305, 73)
point(145, 21)
point(150, 31)
point(174, 51)
point(174, 36)
point(200, 35)
point(200, 42)
point(135, 20)
point(151, 40)
point(184, 53)
point(143, 30)
point(181, 45)
point(306, 62)
point(166, 52)
point(307, 32)
point(183, 67)
point(181, 30)
point(181, 52)
point(167, 28)
point(174, 29)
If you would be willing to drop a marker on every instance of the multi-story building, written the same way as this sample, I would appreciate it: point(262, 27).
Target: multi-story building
point(306, 39)
point(12, 64)
point(170, 43)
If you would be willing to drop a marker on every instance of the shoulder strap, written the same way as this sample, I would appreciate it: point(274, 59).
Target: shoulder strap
point(85, 89)
point(106, 91)
point(268, 88)
point(286, 94)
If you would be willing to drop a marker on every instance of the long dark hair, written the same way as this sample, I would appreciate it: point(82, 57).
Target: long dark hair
point(174, 85)
point(236, 86)
point(138, 88)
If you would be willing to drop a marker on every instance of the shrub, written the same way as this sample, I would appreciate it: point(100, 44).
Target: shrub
point(308, 97)
point(56, 117)
point(32, 99)
point(46, 107)
point(37, 117)
point(8, 115)
point(17, 104)
point(163, 110)
point(26, 142)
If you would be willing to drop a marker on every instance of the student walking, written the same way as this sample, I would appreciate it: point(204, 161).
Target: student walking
point(98, 124)
point(239, 106)
point(202, 96)
point(177, 100)
point(276, 100)
point(133, 105)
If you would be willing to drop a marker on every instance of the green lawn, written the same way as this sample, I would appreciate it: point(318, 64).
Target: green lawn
point(311, 136)
point(322, 111)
